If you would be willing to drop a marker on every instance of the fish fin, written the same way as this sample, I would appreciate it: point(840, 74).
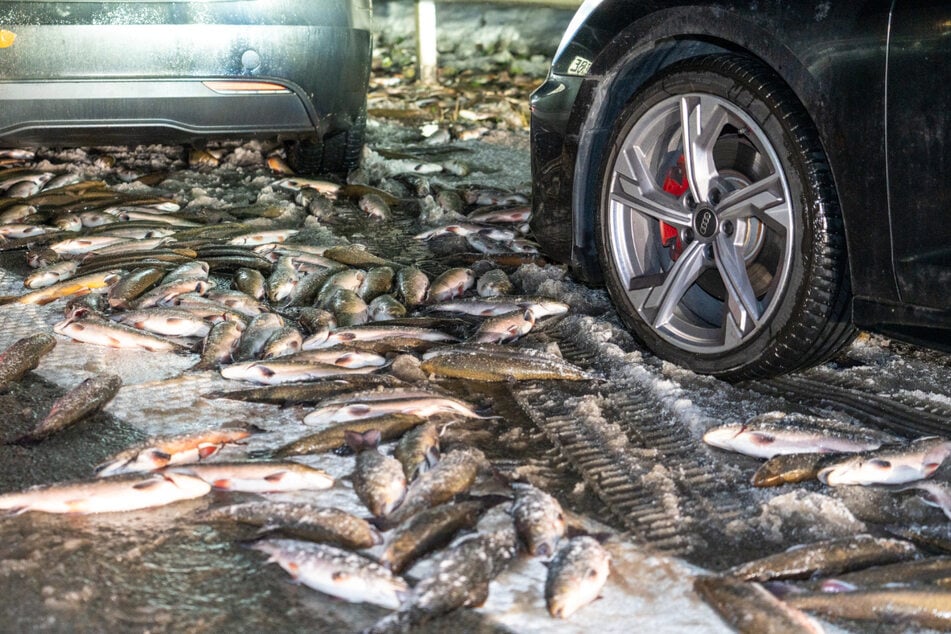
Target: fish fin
point(930, 468)
point(222, 483)
point(339, 576)
point(148, 484)
point(293, 569)
point(880, 463)
point(266, 371)
point(275, 477)
point(762, 438)
point(345, 360)
point(345, 336)
point(837, 585)
point(206, 451)
point(159, 456)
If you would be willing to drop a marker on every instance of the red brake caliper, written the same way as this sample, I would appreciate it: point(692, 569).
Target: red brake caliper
point(675, 182)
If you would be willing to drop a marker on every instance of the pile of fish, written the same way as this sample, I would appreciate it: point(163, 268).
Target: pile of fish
point(861, 578)
point(264, 297)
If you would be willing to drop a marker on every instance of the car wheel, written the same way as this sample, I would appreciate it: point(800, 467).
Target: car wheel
point(719, 229)
point(337, 153)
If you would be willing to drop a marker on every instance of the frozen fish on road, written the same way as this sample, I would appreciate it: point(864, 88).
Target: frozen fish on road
point(829, 557)
point(576, 575)
point(160, 452)
point(494, 363)
point(86, 398)
point(219, 346)
point(902, 607)
point(917, 460)
point(792, 467)
point(539, 519)
point(390, 426)
point(424, 405)
point(24, 355)
point(504, 328)
point(502, 304)
point(452, 283)
point(49, 275)
point(750, 609)
point(418, 450)
point(777, 433)
point(904, 573)
point(113, 335)
point(378, 479)
point(326, 525)
point(375, 332)
point(336, 572)
point(258, 477)
point(427, 531)
point(128, 492)
point(72, 286)
point(171, 322)
point(278, 371)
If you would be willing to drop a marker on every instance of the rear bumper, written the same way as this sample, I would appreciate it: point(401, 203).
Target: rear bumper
point(127, 112)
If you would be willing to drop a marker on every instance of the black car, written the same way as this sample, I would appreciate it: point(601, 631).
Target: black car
point(752, 181)
point(108, 73)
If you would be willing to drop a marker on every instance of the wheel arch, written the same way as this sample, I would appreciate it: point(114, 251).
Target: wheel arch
point(618, 71)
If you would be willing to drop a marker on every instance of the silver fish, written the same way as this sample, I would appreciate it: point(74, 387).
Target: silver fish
point(504, 214)
point(385, 307)
point(375, 207)
point(428, 530)
point(773, 434)
point(300, 520)
point(219, 346)
point(24, 355)
point(88, 244)
point(165, 293)
point(284, 342)
point(378, 280)
point(576, 575)
point(161, 452)
point(494, 283)
point(336, 572)
point(373, 332)
point(86, 398)
point(251, 282)
point(105, 333)
point(194, 270)
point(418, 450)
point(263, 237)
point(452, 283)
point(492, 306)
point(258, 477)
point(256, 335)
point(170, 322)
point(423, 406)
point(236, 300)
point(413, 285)
point(49, 275)
point(378, 479)
point(538, 518)
point(917, 460)
point(504, 328)
point(128, 492)
point(283, 280)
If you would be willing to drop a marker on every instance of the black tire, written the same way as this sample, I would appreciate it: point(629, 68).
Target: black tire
point(337, 153)
point(797, 283)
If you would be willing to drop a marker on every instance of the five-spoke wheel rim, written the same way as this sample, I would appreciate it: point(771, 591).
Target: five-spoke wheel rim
point(699, 223)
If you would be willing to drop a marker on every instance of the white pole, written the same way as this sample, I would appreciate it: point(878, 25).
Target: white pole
point(426, 62)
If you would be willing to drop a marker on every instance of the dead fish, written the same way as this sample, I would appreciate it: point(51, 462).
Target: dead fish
point(104, 333)
point(390, 426)
point(250, 282)
point(374, 332)
point(165, 451)
point(256, 335)
point(503, 214)
point(494, 283)
point(576, 575)
point(278, 165)
point(325, 525)
point(348, 308)
point(18, 230)
point(306, 393)
point(378, 280)
point(427, 531)
point(385, 307)
point(492, 306)
point(86, 398)
point(202, 158)
point(348, 279)
point(87, 244)
point(777, 433)
point(494, 363)
point(219, 346)
point(418, 450)
point(165, 293)
point(283, 280)
point(170, 322)
point(453, 474)
point(127, 492)
point(316, 321)
point(378, 480)
point(905, 573)
point(278, 371)
point(413, 285)
point(133, 285)
point(336, 572)
point(504, 328)
point(483, 197)
point(297, 183)
point(187, 271)
point(751, 609)
point(791, 468)
point(24, 355)
point(258, 477)
point(924, 607)
point(452, 283)
point(937, 494)
point(461, 579)
point(283, 343)
point(73, 286)
point(354, 255)
point(236, 300)
point(467, 230)
point(828, 557)
point(375, 207)
point(917, 460)
point(419, 405)
point(263, 237)
point(539, 520)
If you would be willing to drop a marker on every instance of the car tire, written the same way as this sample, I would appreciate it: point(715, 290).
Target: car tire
point(725, 254)
point(336, 153)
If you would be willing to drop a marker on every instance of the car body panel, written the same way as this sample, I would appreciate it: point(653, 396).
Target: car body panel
point(104, 66)
point(832, 55)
